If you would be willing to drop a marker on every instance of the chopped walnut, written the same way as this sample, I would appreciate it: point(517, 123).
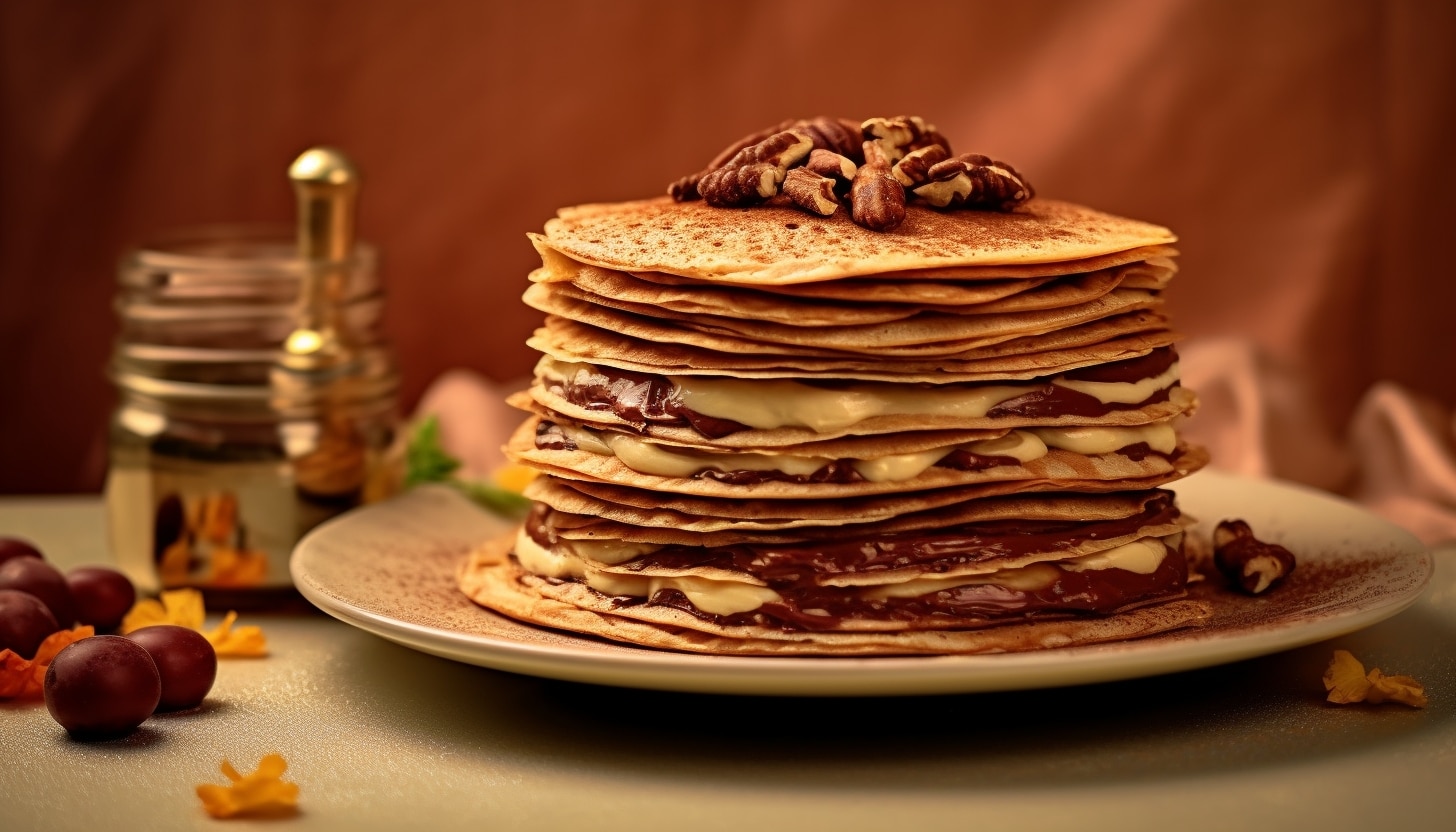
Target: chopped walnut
point(1249, 563)
point(908, 152)
point(974, 181)
point(1347, 682)
point(811, 192)
point(876, 199)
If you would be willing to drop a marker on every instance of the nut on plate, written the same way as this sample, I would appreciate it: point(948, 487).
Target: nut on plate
point(1249, 563)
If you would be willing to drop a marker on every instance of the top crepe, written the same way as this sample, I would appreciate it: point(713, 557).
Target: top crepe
point(776, 245)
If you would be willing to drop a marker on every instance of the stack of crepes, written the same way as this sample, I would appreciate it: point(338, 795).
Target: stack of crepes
point(764, 432)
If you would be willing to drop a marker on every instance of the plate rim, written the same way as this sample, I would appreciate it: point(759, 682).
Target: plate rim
point(648, 668)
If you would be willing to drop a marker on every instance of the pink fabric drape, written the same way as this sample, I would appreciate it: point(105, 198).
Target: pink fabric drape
point(1397, 454)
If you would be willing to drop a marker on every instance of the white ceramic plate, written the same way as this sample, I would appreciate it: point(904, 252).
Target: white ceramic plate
point(390, 569)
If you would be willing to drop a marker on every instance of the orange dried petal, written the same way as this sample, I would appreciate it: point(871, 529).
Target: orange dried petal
point(182, 607)
point(245, 642)
point(238, 567)
point(22, 678)
point(230, 772)
point(260, 794)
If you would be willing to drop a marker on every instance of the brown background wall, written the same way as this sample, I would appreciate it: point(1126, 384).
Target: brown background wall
point(1300, 149)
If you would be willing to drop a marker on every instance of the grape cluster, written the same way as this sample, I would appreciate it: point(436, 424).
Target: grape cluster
point(106, 685)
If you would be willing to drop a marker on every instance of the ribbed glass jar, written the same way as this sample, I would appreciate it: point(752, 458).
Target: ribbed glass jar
point(221, 456)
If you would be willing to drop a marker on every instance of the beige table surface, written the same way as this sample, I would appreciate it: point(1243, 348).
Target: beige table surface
point(381, 737)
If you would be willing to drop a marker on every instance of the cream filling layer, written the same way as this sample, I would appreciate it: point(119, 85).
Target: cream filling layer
point(716, 596)
point(770, 404)
point(1142, 557)
point(1024, 445)
point(727, 596)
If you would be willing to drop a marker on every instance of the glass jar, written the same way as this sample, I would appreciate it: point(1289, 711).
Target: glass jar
point(221, 455)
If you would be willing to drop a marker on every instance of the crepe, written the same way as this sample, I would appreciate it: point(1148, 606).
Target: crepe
point(773, 245)
point(923, 334)
point(1109, 339)
point(883, 301)
point(585, 518)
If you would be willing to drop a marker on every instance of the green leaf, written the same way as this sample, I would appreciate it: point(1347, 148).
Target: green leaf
point(425, 460)
point(494, 498)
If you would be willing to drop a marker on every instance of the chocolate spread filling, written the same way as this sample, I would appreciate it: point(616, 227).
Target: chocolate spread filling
point(790, 569)
point(641, 399)
point(550, 437)
point(936, 550)
point(1090, 592)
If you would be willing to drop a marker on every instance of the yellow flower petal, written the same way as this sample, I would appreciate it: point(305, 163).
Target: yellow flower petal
point(513, 477)
point(260, 794)
point(1345, 679)
point(1402, 689)
point(1347, 682)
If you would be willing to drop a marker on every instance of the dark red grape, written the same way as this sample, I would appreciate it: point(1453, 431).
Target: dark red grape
point(25, 621)
point(15, 547)
point(186, 661)
point(102, 595)
point(101, 687)
point(33, 575)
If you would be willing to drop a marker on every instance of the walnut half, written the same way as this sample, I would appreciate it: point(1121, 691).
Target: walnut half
point(1249, 563)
